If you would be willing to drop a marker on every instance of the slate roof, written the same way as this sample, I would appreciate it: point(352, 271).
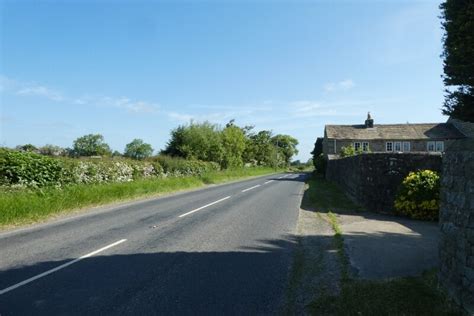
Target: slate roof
point(394, 131)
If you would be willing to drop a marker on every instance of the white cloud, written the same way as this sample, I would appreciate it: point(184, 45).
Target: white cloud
point(42, 91)
point(127, 104)
point(339, 86)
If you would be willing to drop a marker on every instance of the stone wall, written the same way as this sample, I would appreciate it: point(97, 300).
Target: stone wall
point(456, 251)
point(373, 179)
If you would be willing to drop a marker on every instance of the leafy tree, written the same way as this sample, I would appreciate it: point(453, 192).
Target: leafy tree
point(138, 149)
point(317, 151)
point(91, 145)
point(27, 147)
point(52, 150)
point(233, 143)
point(260, 149)
point(458, 22)
point(286, 145)
point(196, 141)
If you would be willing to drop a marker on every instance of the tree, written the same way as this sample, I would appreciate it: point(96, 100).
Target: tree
point(233, 143)
point(318, 150)
point(137, 149)
point(196, 141)
point(52, 150)
point(27, 147)
point(286, 145)
point(458, 54)
point(260, 150)
point(91, 145)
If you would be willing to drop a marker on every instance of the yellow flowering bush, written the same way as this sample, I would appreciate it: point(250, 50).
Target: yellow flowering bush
point(418, 196)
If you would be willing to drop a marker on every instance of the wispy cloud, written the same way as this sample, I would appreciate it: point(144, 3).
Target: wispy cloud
point(339, 86)
point(127, 104)
point(42, 91)
point(32, 89)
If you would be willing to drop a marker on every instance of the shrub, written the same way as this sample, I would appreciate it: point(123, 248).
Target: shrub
point(347, 151)
point(28, 169)
point(320, 164)
point(418, 196)
point(175, 166)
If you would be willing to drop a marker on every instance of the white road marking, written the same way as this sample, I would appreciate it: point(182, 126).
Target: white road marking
point(268, 181)
point(10, 288)
point(248, 189)
point(200, 208)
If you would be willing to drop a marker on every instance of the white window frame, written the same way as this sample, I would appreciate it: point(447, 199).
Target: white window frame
point(406, 146)
point(397, 145)
point(357, 146)
point(441, 144)
point(365, 146)
point(391, 146)
point(429, 144)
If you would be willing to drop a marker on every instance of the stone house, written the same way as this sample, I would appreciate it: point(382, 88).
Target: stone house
point(370, 137)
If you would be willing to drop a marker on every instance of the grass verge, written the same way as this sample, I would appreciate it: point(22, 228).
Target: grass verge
point(401, 296)
point(24, 207)
point(322, 195)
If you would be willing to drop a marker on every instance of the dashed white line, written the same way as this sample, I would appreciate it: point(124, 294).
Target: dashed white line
point(200, 208)
point(248, 189)
point(10, 288)
point(268, 181)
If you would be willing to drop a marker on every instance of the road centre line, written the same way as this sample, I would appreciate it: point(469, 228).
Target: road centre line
point(15, 286)
point(268, 181)
point(200, 208)
point(248, 189)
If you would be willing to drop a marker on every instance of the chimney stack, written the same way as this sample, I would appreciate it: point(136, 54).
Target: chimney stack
point(369, 122)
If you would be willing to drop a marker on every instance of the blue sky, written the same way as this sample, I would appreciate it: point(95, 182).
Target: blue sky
point(137, 69)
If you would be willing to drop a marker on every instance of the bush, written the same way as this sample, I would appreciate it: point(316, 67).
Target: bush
point(174, 166)
point(28, 169)
point(320, 164)
point(418, 196)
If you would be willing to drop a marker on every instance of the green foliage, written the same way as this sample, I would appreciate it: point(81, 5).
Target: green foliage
point(27, 147)
point(196, 141)
point(26, 206)
point(91, 145)
point(52, 150)
point(137, 149)
point(458, 54)
point(175, 166)
point(418, 196)
point(286, 145)
point(230, 147)
point(27, 169)
point(233, 143)
point(320, 164)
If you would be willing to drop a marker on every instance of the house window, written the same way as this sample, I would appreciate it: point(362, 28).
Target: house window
point(431, 146)
point(389, 146)
point(357, 146)
point(365, 146)
point(440, 146)
point(398, 146)
point(406, 146)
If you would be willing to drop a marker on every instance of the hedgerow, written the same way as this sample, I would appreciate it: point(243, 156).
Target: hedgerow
point(418, 196)
point(31, 170)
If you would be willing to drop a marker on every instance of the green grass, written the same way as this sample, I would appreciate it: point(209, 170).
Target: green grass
point(24, 207)
point(322, 195)
point(339, 245)
point(402, 296)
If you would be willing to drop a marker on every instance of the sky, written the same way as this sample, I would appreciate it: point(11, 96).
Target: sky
point(138, 69)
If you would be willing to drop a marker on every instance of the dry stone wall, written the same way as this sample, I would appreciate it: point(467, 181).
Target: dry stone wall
point(456, 251)
point(373, 179)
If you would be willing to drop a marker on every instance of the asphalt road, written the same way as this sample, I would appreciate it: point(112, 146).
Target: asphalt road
point(221, 250)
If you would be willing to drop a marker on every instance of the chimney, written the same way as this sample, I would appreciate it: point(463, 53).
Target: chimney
point(369, 122)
